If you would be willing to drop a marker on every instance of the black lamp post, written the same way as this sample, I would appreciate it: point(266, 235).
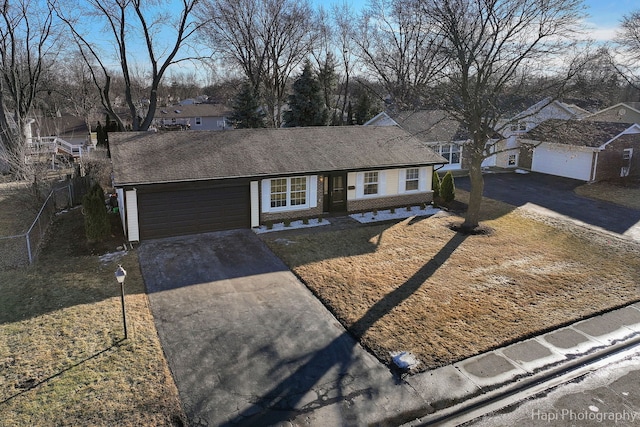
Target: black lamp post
point(121, 273)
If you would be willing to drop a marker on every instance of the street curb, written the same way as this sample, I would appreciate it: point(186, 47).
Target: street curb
point(506, 390)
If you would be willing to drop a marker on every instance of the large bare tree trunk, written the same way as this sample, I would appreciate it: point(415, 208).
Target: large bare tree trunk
point(472, 217)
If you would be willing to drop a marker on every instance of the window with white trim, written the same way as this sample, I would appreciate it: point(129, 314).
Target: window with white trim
point(370, 183)
point(512, 160)
point(287, 192)
point(451, 152)
point(198, 121)
point(627, 153)
point(278, 192)
point(298, 191)
point(412, 179)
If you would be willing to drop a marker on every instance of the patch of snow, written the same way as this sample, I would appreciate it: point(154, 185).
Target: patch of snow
point(404, 360)
point(521, 171)
point(294, 224)
point(400, 213)
point(111, 256)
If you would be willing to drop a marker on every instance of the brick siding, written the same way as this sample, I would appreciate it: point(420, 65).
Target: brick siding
point(361, 205)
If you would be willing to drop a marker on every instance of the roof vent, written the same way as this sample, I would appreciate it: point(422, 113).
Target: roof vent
point(178, 111)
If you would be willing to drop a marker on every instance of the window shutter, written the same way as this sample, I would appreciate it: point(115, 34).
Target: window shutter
point(382, 183)
point(402, 181)
point(422, 179)
point(312, 186)
point(359, 185)
point(266, 195)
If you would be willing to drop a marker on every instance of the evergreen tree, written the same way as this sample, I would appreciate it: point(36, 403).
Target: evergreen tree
point(96, 219)
point(247, 111)
point(364, 108)
point(306, 104)
point(328, 78)
point(435, 185)
point(447, 188)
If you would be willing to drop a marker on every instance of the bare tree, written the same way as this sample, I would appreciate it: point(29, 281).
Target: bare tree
point(628, 44)
point(125, 22)
point(344, 35)
point(29, 44)
point(492, 47)
point(400, 48)
point(267, 39)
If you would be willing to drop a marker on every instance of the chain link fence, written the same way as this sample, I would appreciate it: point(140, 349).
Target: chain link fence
point(22, 249)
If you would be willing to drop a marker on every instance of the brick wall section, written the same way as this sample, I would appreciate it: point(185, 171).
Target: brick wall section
point(293, 215)
point(402, 200)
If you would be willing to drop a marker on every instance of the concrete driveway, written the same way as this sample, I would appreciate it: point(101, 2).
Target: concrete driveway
point(248, 344)
point(555, 195)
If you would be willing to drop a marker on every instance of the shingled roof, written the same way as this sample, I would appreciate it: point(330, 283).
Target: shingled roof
point(148, 157)
point(432, 125)
point(577, 132)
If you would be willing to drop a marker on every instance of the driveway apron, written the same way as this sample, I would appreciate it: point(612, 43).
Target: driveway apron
point(248, 344)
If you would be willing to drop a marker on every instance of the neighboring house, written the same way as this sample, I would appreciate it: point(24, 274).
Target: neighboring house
point(445, 135)
point(70, 128)
point(624, 112)
point(507, 150)
point(192, 116)
point(582, 149)
point(174, 183)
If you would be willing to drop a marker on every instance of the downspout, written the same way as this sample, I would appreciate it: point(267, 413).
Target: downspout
point(594, 166)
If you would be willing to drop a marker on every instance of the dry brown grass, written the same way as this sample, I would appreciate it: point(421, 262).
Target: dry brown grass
point(18, 210)
point(61, 358)
point(617, 193)
point(418, 286)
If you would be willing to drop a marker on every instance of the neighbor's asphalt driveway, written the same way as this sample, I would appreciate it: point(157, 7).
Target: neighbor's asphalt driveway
point(248, 344)
point(556, 194)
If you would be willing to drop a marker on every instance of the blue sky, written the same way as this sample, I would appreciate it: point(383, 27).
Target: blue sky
point(604, 15)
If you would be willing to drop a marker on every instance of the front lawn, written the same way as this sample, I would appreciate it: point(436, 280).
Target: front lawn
point(62, 358)
point(418, 286)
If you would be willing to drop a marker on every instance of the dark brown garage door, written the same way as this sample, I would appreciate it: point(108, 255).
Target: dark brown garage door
point(191, 211)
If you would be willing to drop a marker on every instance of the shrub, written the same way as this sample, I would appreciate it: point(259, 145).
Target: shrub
point(97, 225)
point(447, 188)
point(305, 221)
point(287, 223)
point(392, 210)
point(320, 219)
point(269, 225)
point(435, 185)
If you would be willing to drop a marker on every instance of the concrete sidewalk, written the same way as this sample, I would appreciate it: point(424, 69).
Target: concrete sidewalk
point(509, 367)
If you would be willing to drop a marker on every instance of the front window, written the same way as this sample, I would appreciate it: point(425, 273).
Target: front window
point(370, 183)
point(278, 192)
point(451, 152)
point(287, 192)
point(198, 121)
point(412, 179)
point(512, 160)
point(298, 191)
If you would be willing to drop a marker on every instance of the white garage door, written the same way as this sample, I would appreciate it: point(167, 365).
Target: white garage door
point(571, 163)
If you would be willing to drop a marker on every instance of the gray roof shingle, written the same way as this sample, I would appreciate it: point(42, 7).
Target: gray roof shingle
point(577, 132)
point(148, 157)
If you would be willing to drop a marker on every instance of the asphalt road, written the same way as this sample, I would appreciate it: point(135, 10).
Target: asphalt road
point(609, 396)
point(557, 194)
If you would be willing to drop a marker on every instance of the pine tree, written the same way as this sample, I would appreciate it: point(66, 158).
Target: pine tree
point(247, 111)
point(364, 108)
point(306, 104)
